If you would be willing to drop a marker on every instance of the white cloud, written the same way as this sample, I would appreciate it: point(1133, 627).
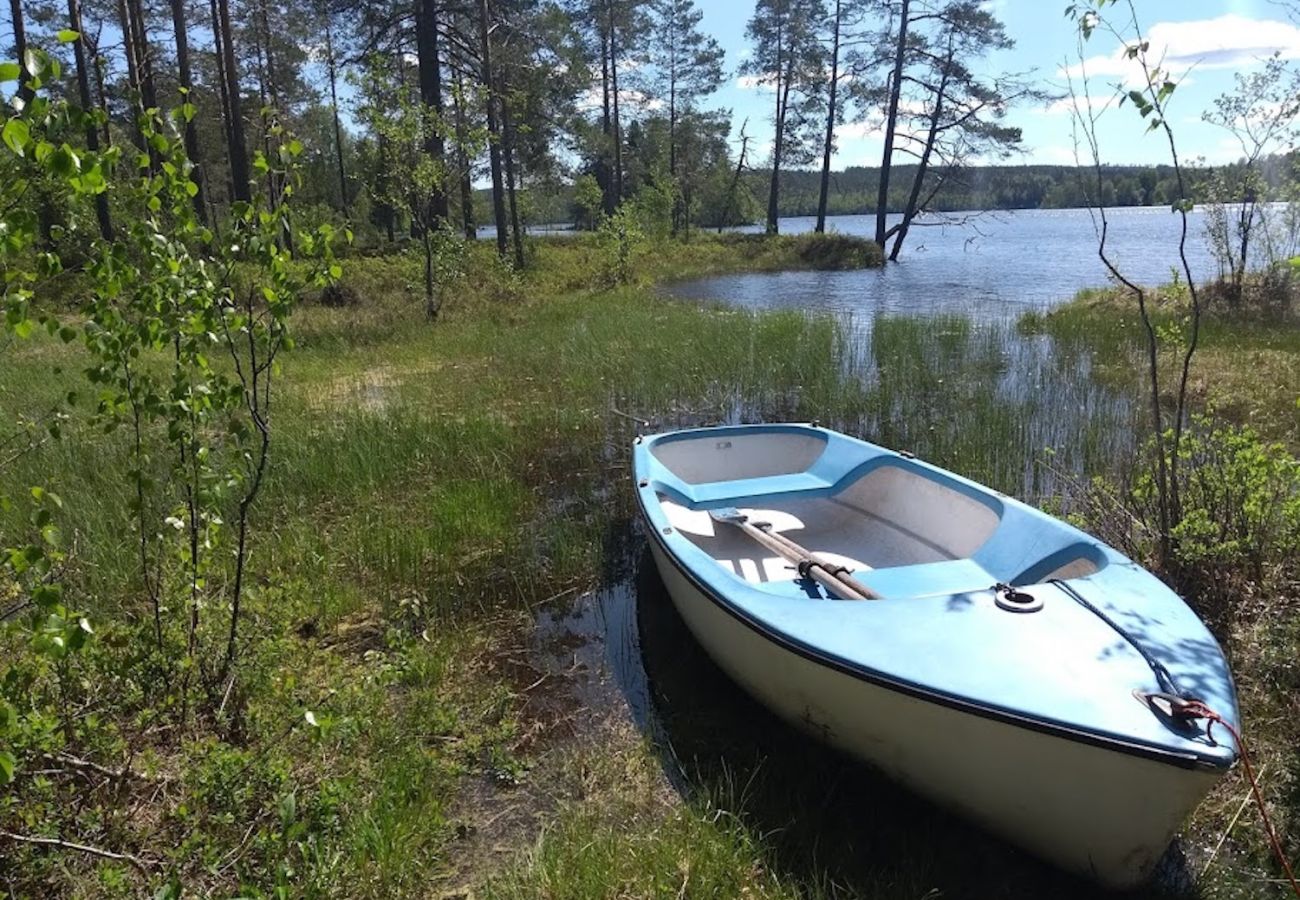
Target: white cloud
point(1061, 106)
point(1226, 42)
point(1055, 153)
point(861, 129)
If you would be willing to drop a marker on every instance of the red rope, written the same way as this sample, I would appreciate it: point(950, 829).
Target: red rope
point(1198, 710)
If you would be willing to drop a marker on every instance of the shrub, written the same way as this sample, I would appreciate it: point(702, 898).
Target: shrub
point(619, 238)
point(837, 251)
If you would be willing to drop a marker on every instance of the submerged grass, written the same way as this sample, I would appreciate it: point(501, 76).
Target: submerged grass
point(1247, 367)
point(433, 483)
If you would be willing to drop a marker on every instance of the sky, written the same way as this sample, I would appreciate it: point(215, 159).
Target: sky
point(1203, 42)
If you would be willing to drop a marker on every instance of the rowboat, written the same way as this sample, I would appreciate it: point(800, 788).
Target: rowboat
point(978, 650)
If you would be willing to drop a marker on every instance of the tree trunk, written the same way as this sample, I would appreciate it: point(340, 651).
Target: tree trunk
point(92, 133)
point(143, 57)
point(778, 142)
point(332, 70)
point(735, 178)
point(235, 133)
point(132, 69)
point(20, 48)
point(426, 39)
point(187, 85)
point(914, 197)
point(891, 121)
point(672, 151)
point(223, 95)
point(830, 123)
point(260, 36)
point(101, 96)
point(494, 137)
point(508, 136)
point(431, 303)
point(462, 163)
point(618, 125)
point(604, 173)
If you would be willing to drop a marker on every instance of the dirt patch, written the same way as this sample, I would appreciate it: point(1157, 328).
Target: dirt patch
point(582, 700)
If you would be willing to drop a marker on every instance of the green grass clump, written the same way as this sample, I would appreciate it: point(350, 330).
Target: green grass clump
point(686, 852)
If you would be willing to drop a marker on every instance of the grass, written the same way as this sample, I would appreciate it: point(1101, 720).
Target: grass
point(1247, 367)
point(434, 485)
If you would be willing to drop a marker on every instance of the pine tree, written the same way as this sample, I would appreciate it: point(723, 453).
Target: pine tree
point(688, 66)
point(787, 58)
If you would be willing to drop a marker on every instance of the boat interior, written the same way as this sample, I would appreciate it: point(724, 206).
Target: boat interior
point(903, 528)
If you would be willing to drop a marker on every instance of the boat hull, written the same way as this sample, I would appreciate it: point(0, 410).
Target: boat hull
point(1086, 806)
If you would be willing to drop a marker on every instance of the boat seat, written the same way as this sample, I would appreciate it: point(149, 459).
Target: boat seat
point(739, 493)
point(954, 576)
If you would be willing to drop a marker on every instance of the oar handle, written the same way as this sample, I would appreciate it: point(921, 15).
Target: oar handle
point(797, 555)
point(839, 574)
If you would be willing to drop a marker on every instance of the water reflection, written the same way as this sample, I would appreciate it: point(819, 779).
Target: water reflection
point(830, 822)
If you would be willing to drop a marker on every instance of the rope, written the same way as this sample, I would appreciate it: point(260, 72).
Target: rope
point(1163, 677)
point(1197, 709)
point(1184, 706)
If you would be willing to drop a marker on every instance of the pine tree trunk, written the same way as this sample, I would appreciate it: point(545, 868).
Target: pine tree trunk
point(508, 133)
point(332, 69)
point(672, 152)
point(824, 195)
point(101, 96)
point(20, 48)
point(604, 173)
point(92, 133)
point(494, 136)
point(222, 95)
point(187, 85)
point(462, 163)
point(426, 40)
point(778, 139)
point(132, 69)
point(143, 57)
point(923, 165)
point(239, 185)
point(891, 122)
point(618, 126)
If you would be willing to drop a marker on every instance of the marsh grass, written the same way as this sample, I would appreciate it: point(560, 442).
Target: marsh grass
point(1247, 366)
point(433, 484)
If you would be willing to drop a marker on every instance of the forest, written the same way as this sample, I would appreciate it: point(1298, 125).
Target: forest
point(530, 112)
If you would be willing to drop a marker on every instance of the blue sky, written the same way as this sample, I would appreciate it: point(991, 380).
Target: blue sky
point(1208, 41)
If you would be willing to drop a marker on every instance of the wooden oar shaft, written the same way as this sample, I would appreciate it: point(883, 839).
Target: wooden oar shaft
point(790, 551)
point(843, 577)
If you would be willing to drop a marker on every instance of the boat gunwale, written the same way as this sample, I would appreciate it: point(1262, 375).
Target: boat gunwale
point(1182, 759)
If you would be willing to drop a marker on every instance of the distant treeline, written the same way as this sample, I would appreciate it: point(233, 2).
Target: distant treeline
point(853, 190)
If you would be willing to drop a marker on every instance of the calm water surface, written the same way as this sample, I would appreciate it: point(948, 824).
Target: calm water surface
point(995, 264)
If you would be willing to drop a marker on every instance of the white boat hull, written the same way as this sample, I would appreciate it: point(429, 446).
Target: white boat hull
point(1087, 807)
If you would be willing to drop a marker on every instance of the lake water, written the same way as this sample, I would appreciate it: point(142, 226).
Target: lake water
point(994, 265)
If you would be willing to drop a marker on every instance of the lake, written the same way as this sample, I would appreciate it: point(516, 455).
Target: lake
point(994, 265)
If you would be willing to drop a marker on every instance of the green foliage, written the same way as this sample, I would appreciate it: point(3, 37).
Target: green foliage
point(587, 203)
point(35, 693)
point(1240, 499)
point(620, 240)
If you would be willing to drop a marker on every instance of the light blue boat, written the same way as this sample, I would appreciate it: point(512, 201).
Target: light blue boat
point(1013, 667)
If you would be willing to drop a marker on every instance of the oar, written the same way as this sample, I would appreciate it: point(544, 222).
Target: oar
point(824, 573)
